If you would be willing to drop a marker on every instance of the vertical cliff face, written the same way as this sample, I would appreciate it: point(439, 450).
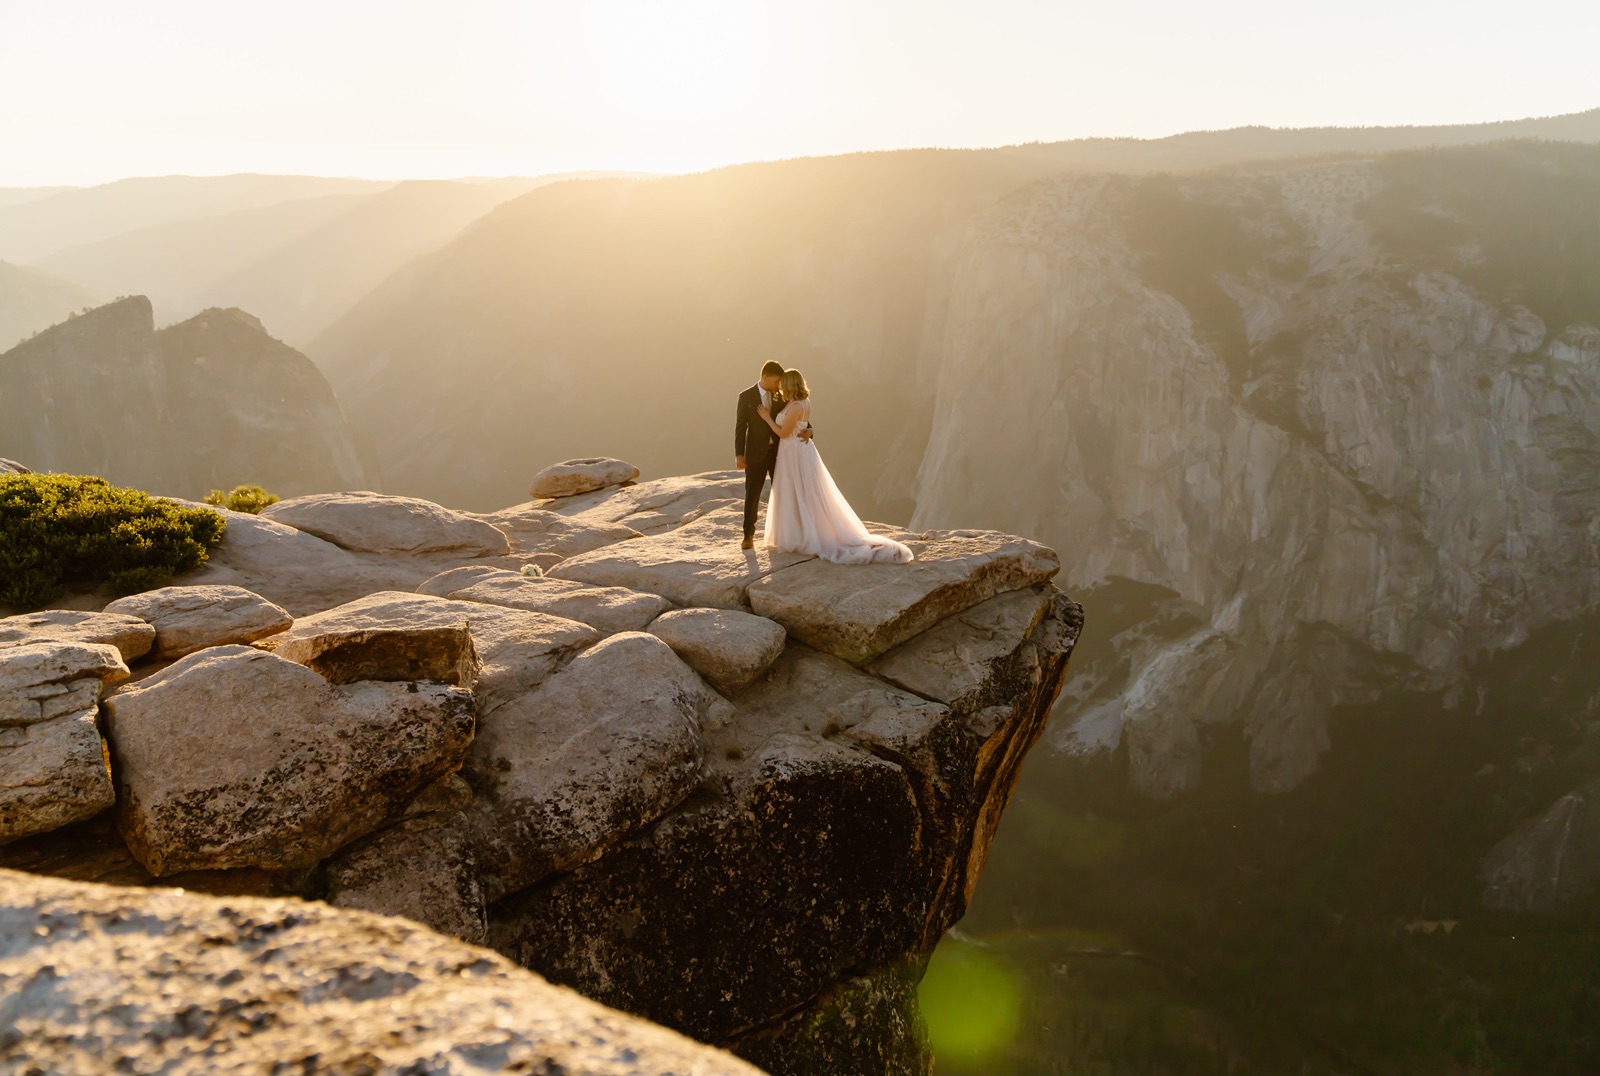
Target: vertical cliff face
point(212, 402)
point(1350, 445)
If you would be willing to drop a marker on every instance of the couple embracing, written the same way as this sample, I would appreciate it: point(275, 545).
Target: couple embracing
point(806, 513)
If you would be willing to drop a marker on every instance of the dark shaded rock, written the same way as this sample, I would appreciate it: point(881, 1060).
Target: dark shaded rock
point(843, 824)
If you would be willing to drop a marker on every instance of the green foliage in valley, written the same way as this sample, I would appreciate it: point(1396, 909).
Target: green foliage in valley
point(59, 530)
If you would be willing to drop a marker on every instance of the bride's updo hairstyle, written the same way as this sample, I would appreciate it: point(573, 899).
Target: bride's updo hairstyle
point(793, 386)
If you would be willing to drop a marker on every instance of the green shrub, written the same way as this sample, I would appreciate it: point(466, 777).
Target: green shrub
point(58, 529)
point(250, 499)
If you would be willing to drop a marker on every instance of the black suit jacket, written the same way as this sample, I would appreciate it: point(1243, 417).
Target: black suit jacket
point(752, 438)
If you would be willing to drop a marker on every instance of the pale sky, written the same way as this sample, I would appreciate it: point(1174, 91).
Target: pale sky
point(94, 91)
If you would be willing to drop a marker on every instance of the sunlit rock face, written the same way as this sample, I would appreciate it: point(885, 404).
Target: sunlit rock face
point(740, 794)
point(211, 402)
point(1330, 435)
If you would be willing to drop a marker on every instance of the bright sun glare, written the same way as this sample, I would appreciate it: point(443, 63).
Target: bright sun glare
point(687, 69)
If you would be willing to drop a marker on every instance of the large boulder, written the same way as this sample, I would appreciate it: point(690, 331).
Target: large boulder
point(380, 523)
point(422, 868)
point(581, 476)
point(234, 757)
point(371, 639)
point(859, 611)
point(192, 618)
point(516, 649)
point(653, 507)
point(964, 660)
point(606, 745)
point(697, 565)
point(297, 570)
point(727, 647)
point(607, 609)
point(101, 978)
point(532, 528)
point(132, 637)
point(53, 768)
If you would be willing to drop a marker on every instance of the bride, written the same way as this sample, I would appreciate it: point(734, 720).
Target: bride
point(806, 513)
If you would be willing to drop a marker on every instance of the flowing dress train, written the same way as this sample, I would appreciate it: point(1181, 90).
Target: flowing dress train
point(806, 513)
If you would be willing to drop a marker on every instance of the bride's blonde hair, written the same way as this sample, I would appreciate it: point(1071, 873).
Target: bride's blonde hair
point(793, 385)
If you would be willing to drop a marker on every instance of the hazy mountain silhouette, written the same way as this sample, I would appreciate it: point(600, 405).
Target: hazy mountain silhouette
point(177, 262)
point(11, 196)
point(296, 265)
point(42, 226)
point(1194, 150)
point(31, 300)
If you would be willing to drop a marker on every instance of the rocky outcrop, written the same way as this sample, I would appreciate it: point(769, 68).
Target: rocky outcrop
point(860, 616)
point(375, 523)
point(132, 637)
point(53, 767)
point(105, 393)
point(307, 766)
point(729, 648)
point(607, 609)
point(581, 476)
point(710, 822)
point(193, 618)
point(163, 980)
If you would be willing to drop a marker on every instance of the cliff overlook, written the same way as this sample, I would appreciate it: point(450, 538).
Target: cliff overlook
point(741, 794)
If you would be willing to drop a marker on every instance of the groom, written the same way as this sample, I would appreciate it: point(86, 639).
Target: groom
point(755, 446)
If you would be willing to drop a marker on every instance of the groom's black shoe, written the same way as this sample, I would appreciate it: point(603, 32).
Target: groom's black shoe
point(748, 543)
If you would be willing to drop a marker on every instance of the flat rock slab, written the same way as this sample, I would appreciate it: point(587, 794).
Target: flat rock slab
point(728, 647)
point(661, 504)
point(535, 529)
point(297, 570)
point(858, 611)
point(515, 649)
point(610, 742)
point(233, 757)
point(581, 476)
point(699, 565)
point(52, 773)
point(377, 639)
point(40, 681)
point(607, 609)
point(963, 661)
point(380, 523)
point(165, 981)
point(130, 635)
point(187, 619)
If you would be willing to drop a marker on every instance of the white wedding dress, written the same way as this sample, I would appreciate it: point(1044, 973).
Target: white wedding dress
point(806, 513)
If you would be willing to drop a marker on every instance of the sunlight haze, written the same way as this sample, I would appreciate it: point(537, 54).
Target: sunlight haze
point(98, 91)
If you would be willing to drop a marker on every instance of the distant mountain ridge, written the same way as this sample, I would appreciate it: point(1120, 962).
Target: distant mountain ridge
point(212, 402)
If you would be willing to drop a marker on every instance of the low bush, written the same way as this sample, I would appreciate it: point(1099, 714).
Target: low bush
point(60, 529)
point(250, 499)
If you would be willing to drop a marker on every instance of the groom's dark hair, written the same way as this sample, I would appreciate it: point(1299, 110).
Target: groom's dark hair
point(772, 369)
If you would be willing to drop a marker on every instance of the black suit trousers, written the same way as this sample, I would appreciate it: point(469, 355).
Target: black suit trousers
point(756, 473)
